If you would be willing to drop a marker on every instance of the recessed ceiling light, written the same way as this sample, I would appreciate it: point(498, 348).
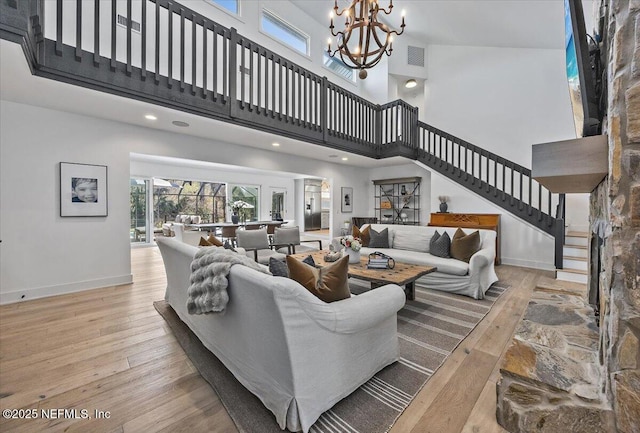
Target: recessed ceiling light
point(180, 123)
point(344, 158)
point(410, 84)
point(275, 144)
point(150, 117)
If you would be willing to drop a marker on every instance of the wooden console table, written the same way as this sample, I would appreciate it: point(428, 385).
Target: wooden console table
point(487, 221)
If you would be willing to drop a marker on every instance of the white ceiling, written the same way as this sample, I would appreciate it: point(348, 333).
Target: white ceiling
point(492, 23)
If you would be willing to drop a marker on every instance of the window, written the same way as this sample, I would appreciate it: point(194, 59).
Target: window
point(337, 65)
point(230, 5)
point(285, 32)
point(249, 195)
point(206, 199)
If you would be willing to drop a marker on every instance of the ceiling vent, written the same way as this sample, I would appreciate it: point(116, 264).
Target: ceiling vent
point(415, 56)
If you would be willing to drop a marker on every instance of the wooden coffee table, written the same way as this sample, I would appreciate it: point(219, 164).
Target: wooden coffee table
point(403, 274)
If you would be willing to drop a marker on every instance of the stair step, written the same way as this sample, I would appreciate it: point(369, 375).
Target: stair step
point(577, 234)
point(575, 251)
point(576, 240)
point(577, 276)
point(575, 263)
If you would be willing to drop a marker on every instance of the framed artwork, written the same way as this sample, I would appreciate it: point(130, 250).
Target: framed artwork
point(347, 199)
point(83, 190)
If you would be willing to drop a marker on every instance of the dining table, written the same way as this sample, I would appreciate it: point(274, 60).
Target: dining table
point(213, 226)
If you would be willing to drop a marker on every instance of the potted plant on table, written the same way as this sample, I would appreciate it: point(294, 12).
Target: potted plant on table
point(443, 203)
point(352, 246)
point(236, 207)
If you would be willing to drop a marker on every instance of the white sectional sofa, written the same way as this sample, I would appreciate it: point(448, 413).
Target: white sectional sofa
point(410, 244)
point(296, 353)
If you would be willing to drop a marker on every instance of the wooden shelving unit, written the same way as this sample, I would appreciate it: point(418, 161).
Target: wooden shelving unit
point(397, 201)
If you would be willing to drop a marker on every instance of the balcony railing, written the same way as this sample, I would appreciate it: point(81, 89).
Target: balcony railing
point(161, 52)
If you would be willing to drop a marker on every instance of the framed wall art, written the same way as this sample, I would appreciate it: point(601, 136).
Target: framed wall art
point(83, 190)
point(347, 199)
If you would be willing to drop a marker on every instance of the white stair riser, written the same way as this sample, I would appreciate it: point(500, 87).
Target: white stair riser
point(568, 276)
point(575, 252)
point(575, 240)
point(575, 264)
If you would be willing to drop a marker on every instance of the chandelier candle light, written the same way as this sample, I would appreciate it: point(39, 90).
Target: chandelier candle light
point(364, 39)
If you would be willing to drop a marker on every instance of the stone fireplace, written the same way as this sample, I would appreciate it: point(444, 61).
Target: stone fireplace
point(572, 367)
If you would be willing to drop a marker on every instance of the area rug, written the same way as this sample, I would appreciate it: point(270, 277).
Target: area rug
point(429, 329)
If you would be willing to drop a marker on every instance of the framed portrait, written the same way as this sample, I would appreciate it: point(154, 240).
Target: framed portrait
point(347, 199)
point(83, 190)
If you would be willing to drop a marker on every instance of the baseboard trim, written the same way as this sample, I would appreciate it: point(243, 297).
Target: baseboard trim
point(529, 264)
point(63, 289)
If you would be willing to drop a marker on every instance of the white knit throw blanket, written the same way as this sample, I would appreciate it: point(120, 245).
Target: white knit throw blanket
point(209, 270)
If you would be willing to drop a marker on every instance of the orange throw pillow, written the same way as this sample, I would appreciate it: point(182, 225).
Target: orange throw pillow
point(329, 283)
point(464, 246)
point(363, 235)
point(204, 243)
point(215, 241)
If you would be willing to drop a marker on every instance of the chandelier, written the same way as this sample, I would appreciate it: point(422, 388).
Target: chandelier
point(364, 39)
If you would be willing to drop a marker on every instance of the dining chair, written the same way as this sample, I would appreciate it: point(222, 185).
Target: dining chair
point(291, 236)
point(229, 233)
point(256, 243)
point(252, 226)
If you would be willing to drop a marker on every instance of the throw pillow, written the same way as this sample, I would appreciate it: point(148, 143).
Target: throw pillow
point(364, 235)
point(278, 268)
point(227, 246)
point(412, 240)
point(379, 240)
point(215, 241)
point(329, 283)
point(204, 243)
point(440, 244)
point(464, 246)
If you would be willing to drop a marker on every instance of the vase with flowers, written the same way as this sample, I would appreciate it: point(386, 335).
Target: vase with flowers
point(443, 203)
point(352, 247)
point(236, 208)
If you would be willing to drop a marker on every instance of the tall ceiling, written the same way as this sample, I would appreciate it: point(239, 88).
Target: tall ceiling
point(491, 23)
point(500, 23)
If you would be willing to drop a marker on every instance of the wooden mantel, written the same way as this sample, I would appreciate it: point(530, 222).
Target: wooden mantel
point(488, 221)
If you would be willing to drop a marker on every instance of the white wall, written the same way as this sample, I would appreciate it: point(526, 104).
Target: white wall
point(520, 243)
point(501, 99)
point(44, 254)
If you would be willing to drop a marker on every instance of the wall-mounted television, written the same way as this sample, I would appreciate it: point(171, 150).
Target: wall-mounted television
point(583, 71)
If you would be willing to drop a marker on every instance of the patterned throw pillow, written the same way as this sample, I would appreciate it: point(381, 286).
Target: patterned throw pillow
point(364, 235)
point(440, 245)
point(278, 268)
point(329, 283)
point(379, 240)
point(464, 246)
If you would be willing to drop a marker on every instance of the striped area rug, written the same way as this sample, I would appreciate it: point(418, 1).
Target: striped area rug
point(429, 329)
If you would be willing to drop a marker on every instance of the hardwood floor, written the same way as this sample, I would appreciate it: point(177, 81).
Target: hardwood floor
point(108, 350)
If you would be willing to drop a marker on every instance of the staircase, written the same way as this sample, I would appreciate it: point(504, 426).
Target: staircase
point(575, 256)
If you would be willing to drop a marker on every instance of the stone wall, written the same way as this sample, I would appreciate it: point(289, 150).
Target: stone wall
point(550, 377)
point(615, 216)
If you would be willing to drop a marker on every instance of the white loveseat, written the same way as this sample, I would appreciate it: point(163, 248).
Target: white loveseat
point(297, 354)
point(410, 244)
